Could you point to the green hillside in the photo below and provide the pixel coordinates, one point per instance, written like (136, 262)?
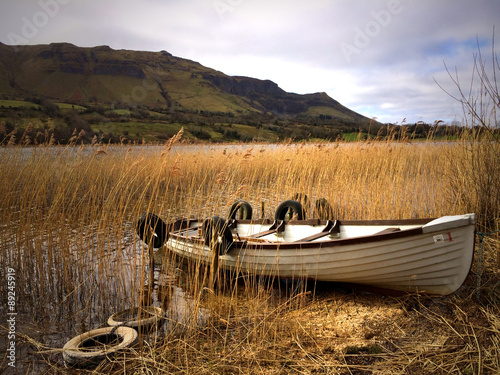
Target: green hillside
(117, 92)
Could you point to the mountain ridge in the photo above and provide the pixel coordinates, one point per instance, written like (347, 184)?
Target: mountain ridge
(65, 72)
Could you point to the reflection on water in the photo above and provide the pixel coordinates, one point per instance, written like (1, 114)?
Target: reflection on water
(169, 292)
(107, 281)
(146, 150)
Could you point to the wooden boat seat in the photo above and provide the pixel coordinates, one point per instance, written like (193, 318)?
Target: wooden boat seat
(387, 231)
(331, 227)
(277, 227)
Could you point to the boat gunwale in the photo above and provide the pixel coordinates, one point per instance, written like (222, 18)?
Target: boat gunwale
(262, 244)
(249, 242)
(181, 224)
(421, 221)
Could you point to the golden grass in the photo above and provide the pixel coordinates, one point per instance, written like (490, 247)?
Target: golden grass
(68, 228)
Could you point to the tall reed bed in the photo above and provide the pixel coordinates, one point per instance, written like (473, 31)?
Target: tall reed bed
(68, 219)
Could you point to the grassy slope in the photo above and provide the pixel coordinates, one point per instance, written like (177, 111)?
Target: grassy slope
(150, 130)
(18, 104)
(178, 77)
(141, 78)
(322, 110)
(147, 131)
(126, 81)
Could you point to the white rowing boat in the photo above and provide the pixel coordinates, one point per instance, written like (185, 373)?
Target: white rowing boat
(431, 256)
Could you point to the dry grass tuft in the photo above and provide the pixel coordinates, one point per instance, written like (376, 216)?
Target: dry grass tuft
(68, 216)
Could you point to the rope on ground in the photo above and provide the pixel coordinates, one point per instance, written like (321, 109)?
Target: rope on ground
(480, 260)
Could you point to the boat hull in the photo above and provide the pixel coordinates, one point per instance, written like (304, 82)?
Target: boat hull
(432, 258)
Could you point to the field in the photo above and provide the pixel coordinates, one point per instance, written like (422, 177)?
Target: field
(68, 217)
(18, 104)
(25, 104)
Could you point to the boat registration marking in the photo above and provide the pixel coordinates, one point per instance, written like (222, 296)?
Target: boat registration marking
(442, 237)
(438, 238)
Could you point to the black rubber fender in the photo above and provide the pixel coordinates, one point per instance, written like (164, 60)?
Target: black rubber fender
(289, 205)
(92, 347)
(302, 198)
(242, 207)
(217, 234)
(159, 229)
(324, 209)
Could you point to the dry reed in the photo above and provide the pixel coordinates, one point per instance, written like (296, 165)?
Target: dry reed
(68, 228)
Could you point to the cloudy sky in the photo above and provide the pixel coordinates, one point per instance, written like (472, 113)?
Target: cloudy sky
(381, 58)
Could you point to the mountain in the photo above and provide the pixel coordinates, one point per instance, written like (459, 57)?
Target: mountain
(62, 72)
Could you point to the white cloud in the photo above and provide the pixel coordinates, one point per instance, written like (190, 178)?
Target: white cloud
(398, 46)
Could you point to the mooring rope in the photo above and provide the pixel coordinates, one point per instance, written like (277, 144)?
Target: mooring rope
(480, 260)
